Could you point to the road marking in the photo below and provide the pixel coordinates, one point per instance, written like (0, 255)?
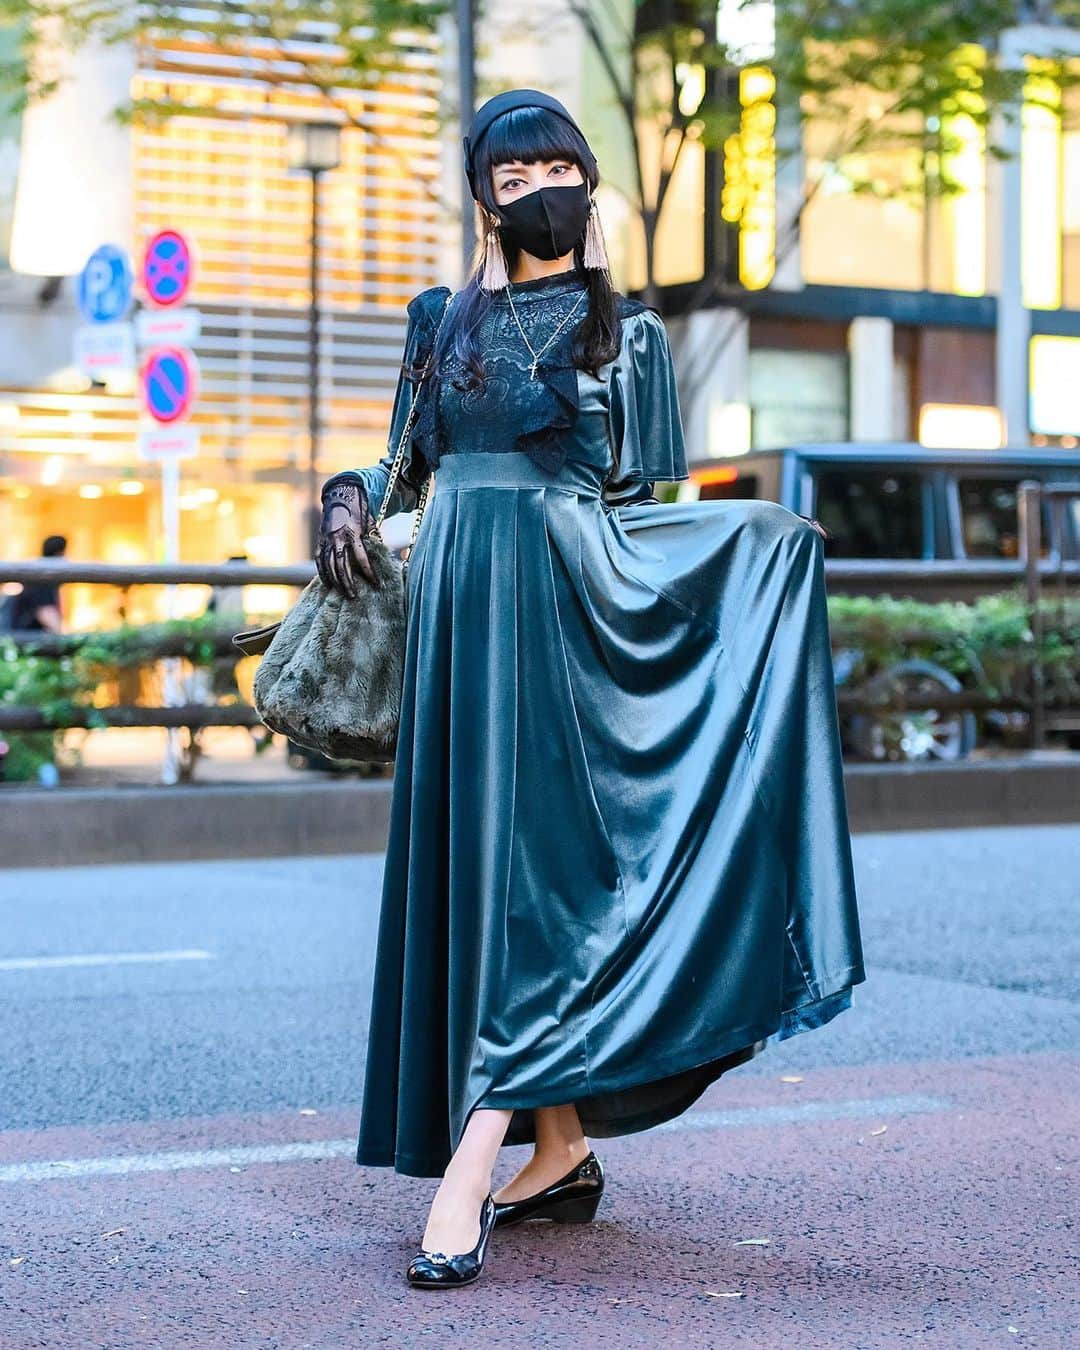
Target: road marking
(872, 1108)
(101, 959)
(805, 1112)
(177, 1161)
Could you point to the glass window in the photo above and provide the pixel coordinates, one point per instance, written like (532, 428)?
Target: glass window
(870, 514)
(797, 397)
(989, 517)
(1070, 203)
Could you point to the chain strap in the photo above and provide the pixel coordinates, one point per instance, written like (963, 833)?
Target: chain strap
(399, 454)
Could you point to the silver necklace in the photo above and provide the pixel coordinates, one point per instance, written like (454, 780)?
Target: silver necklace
(534, 354)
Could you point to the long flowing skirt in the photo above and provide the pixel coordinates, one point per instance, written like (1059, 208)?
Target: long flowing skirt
(618, 859)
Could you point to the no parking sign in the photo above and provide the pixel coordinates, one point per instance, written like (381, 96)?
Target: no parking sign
(167, 380)
(168, 268)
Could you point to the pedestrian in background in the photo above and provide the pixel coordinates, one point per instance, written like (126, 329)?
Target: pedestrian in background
(618, 860)
(37, 607)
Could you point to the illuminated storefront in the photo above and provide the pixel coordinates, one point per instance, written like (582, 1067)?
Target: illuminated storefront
(68, 460)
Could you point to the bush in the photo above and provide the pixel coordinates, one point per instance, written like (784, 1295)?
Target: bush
(988, 644)
(57, 685)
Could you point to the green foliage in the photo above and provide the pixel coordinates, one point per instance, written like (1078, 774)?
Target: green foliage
(26, 681)
(988, 645)
(58, 685)
(368, 37)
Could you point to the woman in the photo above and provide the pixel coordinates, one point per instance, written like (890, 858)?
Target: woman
(618, 860)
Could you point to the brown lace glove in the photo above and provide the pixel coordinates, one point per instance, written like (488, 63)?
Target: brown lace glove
(347, 517)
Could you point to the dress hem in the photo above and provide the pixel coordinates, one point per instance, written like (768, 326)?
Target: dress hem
(753, 1040)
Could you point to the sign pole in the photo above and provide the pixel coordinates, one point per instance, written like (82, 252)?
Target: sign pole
(168, 385)
(170, 523)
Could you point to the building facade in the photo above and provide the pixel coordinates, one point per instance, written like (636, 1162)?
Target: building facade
(891, 314)
(884, 315)
(218, 172)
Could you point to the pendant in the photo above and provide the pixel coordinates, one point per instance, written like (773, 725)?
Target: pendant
(532, 371)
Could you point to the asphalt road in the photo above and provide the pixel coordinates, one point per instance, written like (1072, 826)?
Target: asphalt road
(175, 1127)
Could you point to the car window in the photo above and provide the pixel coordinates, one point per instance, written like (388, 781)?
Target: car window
(989, 517)
(875, 514)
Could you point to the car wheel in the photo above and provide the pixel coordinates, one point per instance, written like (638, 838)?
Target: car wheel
(930, 735)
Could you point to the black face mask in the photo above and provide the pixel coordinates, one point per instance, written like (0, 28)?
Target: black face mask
(547, 222)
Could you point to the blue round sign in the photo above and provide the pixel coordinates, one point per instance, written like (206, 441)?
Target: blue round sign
(168, 383)
(104, 289)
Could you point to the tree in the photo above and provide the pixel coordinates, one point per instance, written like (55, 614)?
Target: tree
(904, 76)
(326, 47)
(909, 77)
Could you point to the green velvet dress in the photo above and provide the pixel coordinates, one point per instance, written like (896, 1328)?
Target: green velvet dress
(618, 861)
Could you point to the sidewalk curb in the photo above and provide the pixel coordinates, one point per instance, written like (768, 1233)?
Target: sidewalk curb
(70, 827)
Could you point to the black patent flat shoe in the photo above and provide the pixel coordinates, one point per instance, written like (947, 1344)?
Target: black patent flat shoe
(572, 1199)
(436, 1270)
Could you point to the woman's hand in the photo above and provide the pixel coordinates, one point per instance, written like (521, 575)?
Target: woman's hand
(341, 554)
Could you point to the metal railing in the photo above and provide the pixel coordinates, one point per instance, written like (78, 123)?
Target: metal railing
(858, 576)
(1032, 496)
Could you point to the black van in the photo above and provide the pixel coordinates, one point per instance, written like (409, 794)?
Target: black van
(900, 502)
(935, 510)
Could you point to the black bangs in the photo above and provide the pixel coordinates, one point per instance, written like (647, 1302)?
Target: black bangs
(528, 135)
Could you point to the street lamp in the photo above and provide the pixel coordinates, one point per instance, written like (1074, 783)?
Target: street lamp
(314, 148)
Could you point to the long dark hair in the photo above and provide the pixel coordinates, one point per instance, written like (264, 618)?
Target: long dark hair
(528, 135)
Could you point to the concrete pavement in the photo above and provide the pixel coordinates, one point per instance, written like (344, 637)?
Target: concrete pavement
(916, 1184)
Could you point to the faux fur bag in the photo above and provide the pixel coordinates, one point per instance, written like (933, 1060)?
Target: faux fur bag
(331, 677)
(332, 669)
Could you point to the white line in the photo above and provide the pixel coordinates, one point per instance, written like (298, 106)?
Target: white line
(870, 1108)
(178, 1161)
(804, 1112)
(100, 959)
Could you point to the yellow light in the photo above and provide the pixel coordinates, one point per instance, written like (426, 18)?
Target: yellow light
(22, 492)
(749, 194)
(721, 474)
(691, 87)
(1040, 193)
(131, 487)
(52, 470)
(959, 426)
(756, 84)
(964, 164)
(91, 491)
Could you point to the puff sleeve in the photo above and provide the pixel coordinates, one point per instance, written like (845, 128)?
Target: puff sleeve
(423, 314)
(646, 424)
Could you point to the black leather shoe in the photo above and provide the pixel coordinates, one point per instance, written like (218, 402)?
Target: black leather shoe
(571, 1199)
(436, 1270)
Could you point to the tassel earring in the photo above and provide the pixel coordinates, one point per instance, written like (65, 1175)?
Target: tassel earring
(595, 249)
(494, 276)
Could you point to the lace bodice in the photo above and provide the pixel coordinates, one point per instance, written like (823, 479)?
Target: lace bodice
(624, 421)
(510, 409)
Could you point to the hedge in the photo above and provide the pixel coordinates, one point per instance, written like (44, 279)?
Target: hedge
(988, 645)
